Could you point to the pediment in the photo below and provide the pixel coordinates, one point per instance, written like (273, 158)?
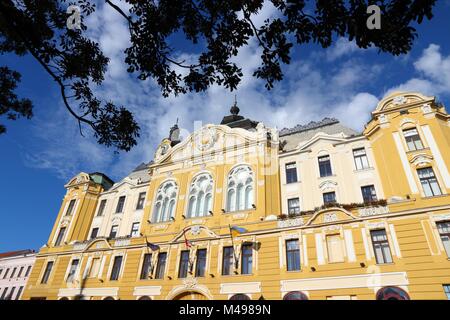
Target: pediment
(320, 138)
(82, 177)
(210, 139)
(399, 99)
(330, 215)
(194, 232)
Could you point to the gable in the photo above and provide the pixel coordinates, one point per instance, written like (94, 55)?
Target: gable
(401, 99)
(330, 215)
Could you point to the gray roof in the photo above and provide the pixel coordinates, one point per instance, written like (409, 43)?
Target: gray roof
(299, 133)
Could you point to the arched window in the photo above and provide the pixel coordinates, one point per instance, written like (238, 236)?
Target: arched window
(200, 196)
(240, 194)
(295, 295)
(145, 298)
(165, 203)
(392, 293)
(63, 298)
(109, 298)
(240, 296)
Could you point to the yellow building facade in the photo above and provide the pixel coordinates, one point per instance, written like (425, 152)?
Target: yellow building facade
(320, 212)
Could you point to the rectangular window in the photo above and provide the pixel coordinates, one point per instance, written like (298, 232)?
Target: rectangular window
(293, 206)
(412, 139)
(72, 270)
(447, 290)
(20, 272)
(60, 236)
(292, 255)
(116, 268)
(19, 293)
(146, 266)
(227, 260)
(120, 204)
(48, 270)
(4, 293)
(429, 182)
(368, 193)
(28, 271)
(444, 232)
(141, 200)
(11, 293)
(95, 268)
(184, 264)
(247, 259)
(94, 233)
(161, 265)
(329, 197)
(381, 246)
(101, 208)
(291, 172)
(135, 229)
(113, 232)
(325, 166)
(335, 248)
(6, 273)
(70, 207)
(360, 157)
(13, 273)
(200, 264)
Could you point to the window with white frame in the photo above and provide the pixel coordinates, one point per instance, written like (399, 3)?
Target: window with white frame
(447, 290)
(135, 229)
(412, 139)
(60, 236)
(120, 204)
(368, 193)
(444, 233)
(101, 208)
(293, 206)
(200, 196)
(240, 189)
(360, 157)
(141, 200)
(291, 172)
(117, 264)
(165, 202)
(429, 182)
(113, 232)
(47, 272)
(380, 245)
(72, 270)
(70, 208)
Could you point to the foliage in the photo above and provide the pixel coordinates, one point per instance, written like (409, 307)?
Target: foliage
(218, 29)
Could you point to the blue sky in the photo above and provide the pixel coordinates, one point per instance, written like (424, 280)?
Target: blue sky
(39, 156)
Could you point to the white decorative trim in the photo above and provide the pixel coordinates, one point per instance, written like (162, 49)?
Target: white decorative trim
(96, 292)
(348, 237)
(366, 243)
(441, 217)
(437, 155)
(405, 163)
(346, 282)
(147, 291)
(319, 248)
(395, 241)
(240, 287)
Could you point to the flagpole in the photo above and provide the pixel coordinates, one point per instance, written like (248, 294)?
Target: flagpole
(232, 243)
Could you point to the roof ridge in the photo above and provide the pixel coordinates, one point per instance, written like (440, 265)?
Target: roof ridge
(310, 126)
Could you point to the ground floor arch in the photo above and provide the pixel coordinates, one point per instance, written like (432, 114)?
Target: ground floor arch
(190, 295)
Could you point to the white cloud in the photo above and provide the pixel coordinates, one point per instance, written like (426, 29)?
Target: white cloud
(307, 93)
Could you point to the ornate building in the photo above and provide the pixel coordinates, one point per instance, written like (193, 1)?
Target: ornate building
(242, 211)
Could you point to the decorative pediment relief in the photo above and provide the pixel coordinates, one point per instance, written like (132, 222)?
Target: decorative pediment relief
(330, 215)
(80, 178)
(196, 231)
(320, 137)
(399, 99)
(210, 140)
(421, 159)
(328, 185)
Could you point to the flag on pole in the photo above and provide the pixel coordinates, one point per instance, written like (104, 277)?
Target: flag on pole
(153, 246)
(235, 231)
(186, 241)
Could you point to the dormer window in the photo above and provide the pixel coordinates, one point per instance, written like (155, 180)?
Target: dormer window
(412, 139)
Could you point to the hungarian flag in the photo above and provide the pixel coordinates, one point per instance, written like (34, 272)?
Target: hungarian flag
(186, 241)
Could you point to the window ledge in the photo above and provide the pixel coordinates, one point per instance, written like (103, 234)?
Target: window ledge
(364, 169)
(200, 217)
(239, 211)
(327, 177)
(433, 197)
